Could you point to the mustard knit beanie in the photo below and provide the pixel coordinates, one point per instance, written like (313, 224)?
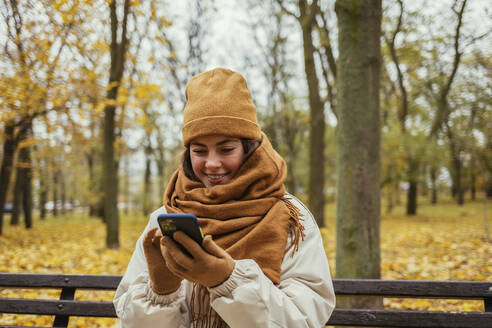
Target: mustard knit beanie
(219, 102)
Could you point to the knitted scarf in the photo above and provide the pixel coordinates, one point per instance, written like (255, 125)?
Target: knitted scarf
(249, 217)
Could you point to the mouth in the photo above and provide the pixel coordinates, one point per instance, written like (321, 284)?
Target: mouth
(216, 178)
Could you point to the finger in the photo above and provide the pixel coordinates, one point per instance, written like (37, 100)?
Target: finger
(149, 237)
(173, 270)
(171, 263)
(181, 258)
(168, 243)
(157, 238)
(211, 247)
(152, 253)
(191, 246)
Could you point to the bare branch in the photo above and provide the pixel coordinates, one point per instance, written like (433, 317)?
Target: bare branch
(403, 112)
(474, 39)
(457, 53)
(326, 43)
(285, 10)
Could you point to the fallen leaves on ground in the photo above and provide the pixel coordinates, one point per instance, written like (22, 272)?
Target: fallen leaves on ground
(442, 243)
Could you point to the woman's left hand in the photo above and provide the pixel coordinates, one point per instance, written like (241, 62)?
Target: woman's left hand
(210, 265)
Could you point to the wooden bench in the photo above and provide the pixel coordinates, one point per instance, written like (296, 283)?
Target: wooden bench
(65, 307)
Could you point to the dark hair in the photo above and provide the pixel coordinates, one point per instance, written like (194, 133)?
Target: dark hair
(249, 145)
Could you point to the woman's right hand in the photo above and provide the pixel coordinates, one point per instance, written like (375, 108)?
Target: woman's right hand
(162, 280)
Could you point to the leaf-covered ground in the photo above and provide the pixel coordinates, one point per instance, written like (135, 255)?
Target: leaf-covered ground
(444, 242)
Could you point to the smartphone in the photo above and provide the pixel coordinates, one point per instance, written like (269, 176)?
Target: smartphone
(186, 222)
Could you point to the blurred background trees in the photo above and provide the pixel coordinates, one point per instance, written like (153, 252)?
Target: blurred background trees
(59, 81)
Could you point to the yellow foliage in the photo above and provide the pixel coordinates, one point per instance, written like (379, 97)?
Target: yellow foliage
(111, 85)
(165, 23)
(161, 39)
(142, 119)
(57, 4)
(100, 107)
(27, 143)
(144, 91)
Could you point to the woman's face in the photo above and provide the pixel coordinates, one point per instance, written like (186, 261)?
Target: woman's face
(216, 159)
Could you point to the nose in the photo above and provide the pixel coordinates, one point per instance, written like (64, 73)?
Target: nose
(213, 161)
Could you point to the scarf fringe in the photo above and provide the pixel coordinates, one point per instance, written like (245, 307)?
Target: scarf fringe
(296, 229)
(205, 317)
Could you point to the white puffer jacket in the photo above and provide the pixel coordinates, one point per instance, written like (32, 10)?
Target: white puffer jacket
(248, 299)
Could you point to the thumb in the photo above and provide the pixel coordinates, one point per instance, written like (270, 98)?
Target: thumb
(212, 248)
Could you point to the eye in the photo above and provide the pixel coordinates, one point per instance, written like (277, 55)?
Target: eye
(199, 151)
(228, 149)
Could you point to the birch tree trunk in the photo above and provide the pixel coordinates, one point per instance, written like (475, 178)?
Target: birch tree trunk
(358, 159)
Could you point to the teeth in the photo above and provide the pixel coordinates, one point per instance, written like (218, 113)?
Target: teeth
(215, 176)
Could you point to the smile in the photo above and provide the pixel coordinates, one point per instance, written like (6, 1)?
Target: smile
(216, 177)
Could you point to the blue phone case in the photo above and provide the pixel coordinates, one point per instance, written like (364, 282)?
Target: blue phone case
(186, 222)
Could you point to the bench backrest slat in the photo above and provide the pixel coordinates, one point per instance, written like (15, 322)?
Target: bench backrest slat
(57, 307)
(33, 280)
(374, 287)
(420, 319)
(414, 288)
(340, 317)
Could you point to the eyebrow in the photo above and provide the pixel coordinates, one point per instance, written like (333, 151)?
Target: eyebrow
(217, 144)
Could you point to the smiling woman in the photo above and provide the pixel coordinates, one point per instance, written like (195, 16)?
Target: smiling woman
(261, 263)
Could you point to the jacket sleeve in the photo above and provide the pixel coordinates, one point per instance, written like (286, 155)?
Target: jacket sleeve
(135, 302)
(304, 297)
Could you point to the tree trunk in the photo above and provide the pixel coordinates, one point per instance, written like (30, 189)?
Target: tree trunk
(453, 186)
(488, 187)
(160, 163)
(147, 186)
(424, 187)
(92, 183)
(412, 186)
(457, 188)
(23, 190)
(160, 171)
(359, 134)
(433, 172)
(110, 165)
(25, 157)
(412, 198)
(9, 146)
(473, 179)
(390, 196)
(63, 192)
(43, 194)
(16, 203)
(291, 182)
(126, 186)
(317, 116)
(110, 180)
(55, 192)
(458, 183)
